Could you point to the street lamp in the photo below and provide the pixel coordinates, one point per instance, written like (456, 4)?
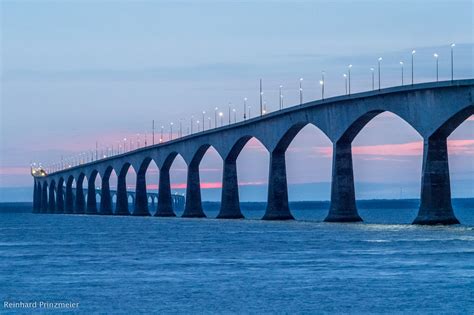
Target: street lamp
(153, 131)
(349, 75)
(435, 55)
(321, 82)
(197, 122)
(229, 111)
(215, 117)
(161, 137)
(209, 119)
(452, 61)
(373, 79)
(379, 60)
(345, 81)
(264, 107)
(401, 66)
(301, 91)
(192, 123)
(124, 145)
(180, 127)
(245, 108)
(203, 124)
(221, 115)
(261, 98)
(413, 52)
(171, 131)
(235, 115)
(281, 97)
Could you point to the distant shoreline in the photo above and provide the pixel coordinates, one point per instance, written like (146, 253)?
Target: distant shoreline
(21, 207)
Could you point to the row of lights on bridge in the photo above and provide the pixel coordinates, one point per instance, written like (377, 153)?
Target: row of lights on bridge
(121, 146)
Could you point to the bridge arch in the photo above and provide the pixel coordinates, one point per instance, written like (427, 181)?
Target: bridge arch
(52, 197)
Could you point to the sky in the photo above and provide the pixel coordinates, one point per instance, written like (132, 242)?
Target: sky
(74, 73)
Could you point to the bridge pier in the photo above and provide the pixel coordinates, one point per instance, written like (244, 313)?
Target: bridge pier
(80, 203)
(141, 198)
(343, 205)
(52, 200)
(121, 207)
(91, 199)
(35, 197)
(165, 202)
(105, 198)
(230, 204)
(435, 203)
(59, 198)
(277, 200)
(69, 200)
(193, 207)
(44, 198)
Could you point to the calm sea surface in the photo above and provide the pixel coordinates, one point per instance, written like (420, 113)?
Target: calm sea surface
(129, 265)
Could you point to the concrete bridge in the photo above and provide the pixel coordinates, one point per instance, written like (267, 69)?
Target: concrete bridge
(152, 197)
(434, 110)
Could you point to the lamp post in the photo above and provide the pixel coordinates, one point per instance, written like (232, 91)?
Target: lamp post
(373, 78)
(235, 115)
(250, 116)
(349, 75)
(452, 61)
(281, 97)
(171, 131)
(198, 125)
(221, 115)
(435, 55)
(124, 145)
(401, 66)
(138, 140)
(161, 138)
(413, 52)
(203, 124)
(229, 111)
(245, 108)
(379, 60)
(261, 98)
(301, 91)
(321, 82)
(209, 119)
(153, 131)
(264, 108)
(215, 117)
(192, 123)
(345, 81)
(181, 128)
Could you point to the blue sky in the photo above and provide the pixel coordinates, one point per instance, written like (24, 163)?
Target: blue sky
(76, 72)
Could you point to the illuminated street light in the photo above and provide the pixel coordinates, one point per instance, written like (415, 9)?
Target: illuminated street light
(203, 124)
(401, 66)
(452, 61)
(321, 82)
(435, 55)
(215, 117)
(373, 78)
(301, 91)
(235, 115)
(161, 137)
(261, 98)
(345, 81)
(124, 145)
(379, 60)
(230, 105)
(281, 97)
(171, 131)
(349, 75)
(221, 115)
(413, 52)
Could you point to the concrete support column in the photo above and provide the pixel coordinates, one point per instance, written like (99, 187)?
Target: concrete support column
(91, 199)
(105, 198)
(343, 205)
(52, 200)
(193, 207)
(121, 207)
(35, 197)
(69, 200)
(60, 199)
(277, 200)
(230, 204)
(435, 203)
(165, 203)
(141, 197)
(44, 198)
(80, 202)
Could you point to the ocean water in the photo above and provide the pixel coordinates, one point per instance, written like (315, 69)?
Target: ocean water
(130, 265)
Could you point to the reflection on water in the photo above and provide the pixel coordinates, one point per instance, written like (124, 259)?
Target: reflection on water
(173, 265)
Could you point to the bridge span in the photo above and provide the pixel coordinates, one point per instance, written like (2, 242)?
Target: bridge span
(434, 110)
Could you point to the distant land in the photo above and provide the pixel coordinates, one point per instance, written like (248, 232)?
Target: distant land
(465, 203)
(302, 192)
